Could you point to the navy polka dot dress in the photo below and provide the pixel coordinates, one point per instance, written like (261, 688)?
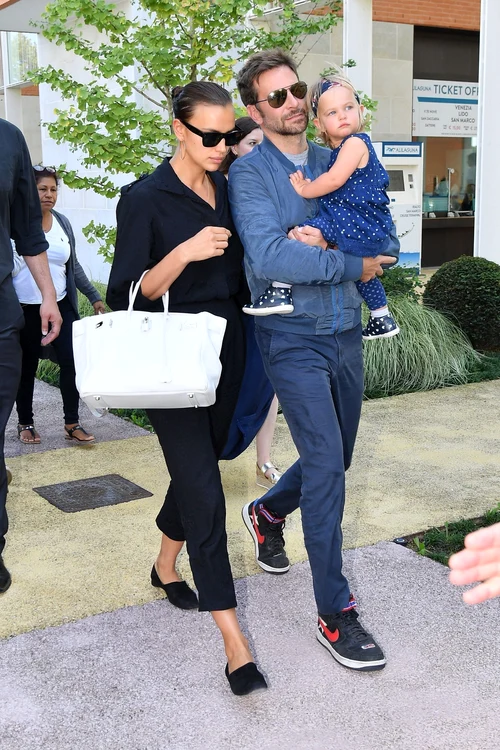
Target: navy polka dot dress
(356, 217)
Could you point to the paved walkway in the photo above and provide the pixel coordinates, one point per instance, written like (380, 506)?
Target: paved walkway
(94, 660)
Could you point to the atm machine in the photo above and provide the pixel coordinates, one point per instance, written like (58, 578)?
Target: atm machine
(404, 164)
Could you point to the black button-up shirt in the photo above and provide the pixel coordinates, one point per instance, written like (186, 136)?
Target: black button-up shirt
(20, 215)
(154, 215)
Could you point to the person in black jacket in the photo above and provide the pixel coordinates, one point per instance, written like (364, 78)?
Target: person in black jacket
(21, 221)
(68, 276)
(176, 223)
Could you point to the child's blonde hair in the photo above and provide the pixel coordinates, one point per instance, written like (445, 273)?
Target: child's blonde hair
(335, 78)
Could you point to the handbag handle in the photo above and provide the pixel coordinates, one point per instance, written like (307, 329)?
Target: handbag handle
(134, 291)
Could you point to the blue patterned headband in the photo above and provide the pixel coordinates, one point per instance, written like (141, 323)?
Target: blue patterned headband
(325, 84)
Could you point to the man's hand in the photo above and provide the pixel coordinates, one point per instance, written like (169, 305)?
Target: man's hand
(373, 266)
(49, 309)
(51, 320)
(98, 307)
(308, 235)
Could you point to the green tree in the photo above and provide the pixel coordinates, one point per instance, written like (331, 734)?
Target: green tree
(118, 116)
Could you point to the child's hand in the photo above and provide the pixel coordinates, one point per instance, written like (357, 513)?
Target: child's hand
(298, 181)
(309, 235)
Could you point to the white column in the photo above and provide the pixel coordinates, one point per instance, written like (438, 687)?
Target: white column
(358, 42)
(486, 242)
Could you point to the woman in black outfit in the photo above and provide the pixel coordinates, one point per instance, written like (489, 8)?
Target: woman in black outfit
(176, 223)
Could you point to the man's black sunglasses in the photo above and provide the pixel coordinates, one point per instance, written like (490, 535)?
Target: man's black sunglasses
(209, 140)
(277, 98)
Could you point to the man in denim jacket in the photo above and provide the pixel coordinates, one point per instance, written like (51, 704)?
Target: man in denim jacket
(312, 356)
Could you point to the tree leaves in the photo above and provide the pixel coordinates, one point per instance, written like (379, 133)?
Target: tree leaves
(117, 99)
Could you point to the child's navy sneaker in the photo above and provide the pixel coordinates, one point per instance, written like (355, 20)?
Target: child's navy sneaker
(275, 300)
(380, 328)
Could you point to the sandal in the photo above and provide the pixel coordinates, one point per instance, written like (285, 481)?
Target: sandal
(71, 436)
(267, 475)
(31, 429)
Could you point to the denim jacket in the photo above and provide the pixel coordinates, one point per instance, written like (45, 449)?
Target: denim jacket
(265, 206)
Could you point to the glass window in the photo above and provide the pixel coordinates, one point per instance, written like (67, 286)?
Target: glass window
(22, 56)
(449, 171)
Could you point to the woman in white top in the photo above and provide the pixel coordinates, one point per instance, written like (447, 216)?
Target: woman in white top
(67, 275)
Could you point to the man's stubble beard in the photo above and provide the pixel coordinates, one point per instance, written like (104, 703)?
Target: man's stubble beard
(283, 127)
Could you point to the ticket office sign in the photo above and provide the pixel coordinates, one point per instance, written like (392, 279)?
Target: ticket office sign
(445, 108)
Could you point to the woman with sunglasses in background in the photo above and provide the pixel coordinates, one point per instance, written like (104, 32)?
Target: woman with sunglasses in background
(257, 408)
(175, 223)
(68, 276)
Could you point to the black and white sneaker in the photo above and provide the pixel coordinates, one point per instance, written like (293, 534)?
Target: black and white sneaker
(267, 534)
(380, 328)
(348, 642)
(274, 301)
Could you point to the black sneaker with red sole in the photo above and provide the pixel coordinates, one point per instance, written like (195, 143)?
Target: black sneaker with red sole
(267, 535)
(348, 642)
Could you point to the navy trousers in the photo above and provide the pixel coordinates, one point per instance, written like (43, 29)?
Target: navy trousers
(319, 384)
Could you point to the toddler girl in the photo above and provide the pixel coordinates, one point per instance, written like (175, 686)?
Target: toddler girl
(353, 204)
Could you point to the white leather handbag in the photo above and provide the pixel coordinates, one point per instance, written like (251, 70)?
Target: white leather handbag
(139, 360)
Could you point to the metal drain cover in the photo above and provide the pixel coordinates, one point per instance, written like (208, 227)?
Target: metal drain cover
(96, 492)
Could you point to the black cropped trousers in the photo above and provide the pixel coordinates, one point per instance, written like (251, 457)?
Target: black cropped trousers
(192, 440)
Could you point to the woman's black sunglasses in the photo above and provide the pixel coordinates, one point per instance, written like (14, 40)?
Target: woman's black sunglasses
(40, 168)
(277, 98)
(209, 140)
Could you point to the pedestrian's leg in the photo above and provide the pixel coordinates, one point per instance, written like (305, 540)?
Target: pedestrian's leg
(199, 512)
(10, 369)
(347, 389)
(63, 346)
(267, 473)
(301, 369)
(187, 442)
(167, 557)
(265, 435)
(30, 340)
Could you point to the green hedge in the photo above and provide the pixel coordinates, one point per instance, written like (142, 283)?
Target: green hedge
(468, 291)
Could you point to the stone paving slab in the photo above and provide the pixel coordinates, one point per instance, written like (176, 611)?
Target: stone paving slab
(151, 677)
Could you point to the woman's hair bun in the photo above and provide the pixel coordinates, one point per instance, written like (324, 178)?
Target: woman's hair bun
(177, 91)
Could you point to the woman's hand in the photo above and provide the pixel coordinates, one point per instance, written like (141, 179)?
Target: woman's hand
(299, 182)
(98, 307)
(208, 243)
(309, 235)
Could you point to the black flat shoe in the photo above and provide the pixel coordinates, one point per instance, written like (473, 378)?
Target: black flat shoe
(5, 579)
(178, 593)
(245, 679)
